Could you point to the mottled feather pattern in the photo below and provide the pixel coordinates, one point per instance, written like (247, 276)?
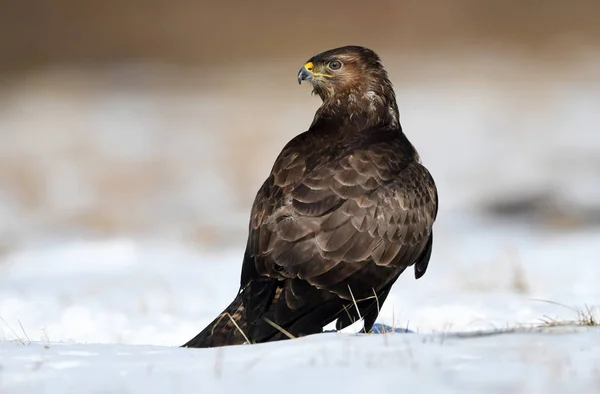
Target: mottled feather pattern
(346, 209)
(364, 205)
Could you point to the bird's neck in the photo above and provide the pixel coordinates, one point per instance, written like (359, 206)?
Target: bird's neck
(359, 109)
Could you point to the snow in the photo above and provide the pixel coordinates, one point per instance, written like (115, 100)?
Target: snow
(108, 315)
(133, 292)
(552, 362)
(82, 313)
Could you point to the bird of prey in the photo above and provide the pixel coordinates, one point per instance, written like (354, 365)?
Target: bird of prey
(347, 207)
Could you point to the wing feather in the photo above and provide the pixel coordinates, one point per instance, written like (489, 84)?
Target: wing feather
(361, 212)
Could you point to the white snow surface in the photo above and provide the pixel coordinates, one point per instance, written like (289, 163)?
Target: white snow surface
(523, 363)
(107, 316)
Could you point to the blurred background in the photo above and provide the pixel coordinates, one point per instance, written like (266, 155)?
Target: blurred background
(155, 120)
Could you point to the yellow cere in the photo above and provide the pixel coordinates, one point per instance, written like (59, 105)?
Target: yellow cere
(310, 67)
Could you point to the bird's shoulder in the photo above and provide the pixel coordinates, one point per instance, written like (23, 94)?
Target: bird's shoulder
(361, 198)
(321, 150)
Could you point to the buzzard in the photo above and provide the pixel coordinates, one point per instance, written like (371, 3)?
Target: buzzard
(345, 210)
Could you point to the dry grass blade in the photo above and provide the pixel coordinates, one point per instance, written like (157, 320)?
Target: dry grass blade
(46, 334)
(554, 303)
(547, 321)
(355, 304)
(350, 318)
(376, 300)
(13, 331)
(238, 327)
(384, 328)
(212, 330)
(281, 329)
(588, 318)
(22, 329)
(585, 318)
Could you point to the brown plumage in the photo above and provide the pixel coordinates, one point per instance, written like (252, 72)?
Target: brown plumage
(346, 209)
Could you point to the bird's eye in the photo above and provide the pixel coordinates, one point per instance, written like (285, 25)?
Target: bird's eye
(335, 65)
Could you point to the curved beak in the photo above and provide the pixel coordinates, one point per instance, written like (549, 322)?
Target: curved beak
(305, 73)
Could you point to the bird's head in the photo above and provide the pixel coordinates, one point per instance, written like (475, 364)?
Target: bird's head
(351, 80)
(343, 70)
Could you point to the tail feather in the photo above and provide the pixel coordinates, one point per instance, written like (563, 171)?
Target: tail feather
(227, 329)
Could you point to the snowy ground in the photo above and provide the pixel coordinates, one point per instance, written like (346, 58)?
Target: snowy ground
(106, 316)
(122, 291)
(553, 362)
